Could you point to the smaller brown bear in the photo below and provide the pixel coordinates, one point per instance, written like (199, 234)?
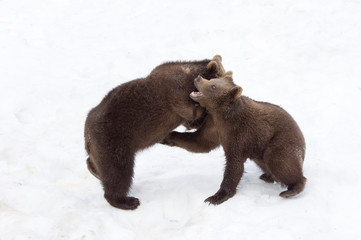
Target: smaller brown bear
(245, 128)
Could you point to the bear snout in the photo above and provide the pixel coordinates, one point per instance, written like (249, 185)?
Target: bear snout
(198, 79)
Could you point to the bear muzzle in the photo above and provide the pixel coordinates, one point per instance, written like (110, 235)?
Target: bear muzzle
(198, 79)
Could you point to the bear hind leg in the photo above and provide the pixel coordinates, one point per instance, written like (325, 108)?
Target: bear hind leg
(267, 178)
(286, 168)
(117, 178)
(294, 189)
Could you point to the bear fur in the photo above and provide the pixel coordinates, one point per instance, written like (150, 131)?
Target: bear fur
(245, 128)
(138, 114)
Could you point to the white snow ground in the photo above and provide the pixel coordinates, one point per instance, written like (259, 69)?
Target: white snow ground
(59, 58)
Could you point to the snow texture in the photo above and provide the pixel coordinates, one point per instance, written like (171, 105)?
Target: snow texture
(58, 58)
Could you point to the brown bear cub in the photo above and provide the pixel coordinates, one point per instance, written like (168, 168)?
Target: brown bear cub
(138, 114)
(245, 128)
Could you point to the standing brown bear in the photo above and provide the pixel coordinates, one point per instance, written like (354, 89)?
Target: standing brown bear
(245, 128)
(138, 114)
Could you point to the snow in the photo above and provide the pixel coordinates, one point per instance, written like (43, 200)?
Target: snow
(59, 58)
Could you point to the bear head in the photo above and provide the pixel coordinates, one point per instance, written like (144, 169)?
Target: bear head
(216, 92)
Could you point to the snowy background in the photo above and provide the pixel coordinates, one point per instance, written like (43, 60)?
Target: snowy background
(58, 58)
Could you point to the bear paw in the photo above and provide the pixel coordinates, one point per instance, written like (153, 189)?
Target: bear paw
(221, 196)
(126, 203)
(168, 140)
(267, 178)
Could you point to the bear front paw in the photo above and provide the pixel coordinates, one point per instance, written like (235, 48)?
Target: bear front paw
(169, 139)
(221, 196)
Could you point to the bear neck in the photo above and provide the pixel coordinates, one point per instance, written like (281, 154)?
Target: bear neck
(228, 111)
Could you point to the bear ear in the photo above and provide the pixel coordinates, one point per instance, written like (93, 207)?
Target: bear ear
(235, 92)
(228, 76)
(217, 58)
(215, 66)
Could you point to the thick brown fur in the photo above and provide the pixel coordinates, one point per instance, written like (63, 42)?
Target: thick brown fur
(246, 129)
(138, 114)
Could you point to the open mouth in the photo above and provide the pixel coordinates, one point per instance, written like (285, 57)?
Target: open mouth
(196, 94)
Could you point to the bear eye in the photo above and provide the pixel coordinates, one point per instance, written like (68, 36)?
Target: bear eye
(213, 87)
